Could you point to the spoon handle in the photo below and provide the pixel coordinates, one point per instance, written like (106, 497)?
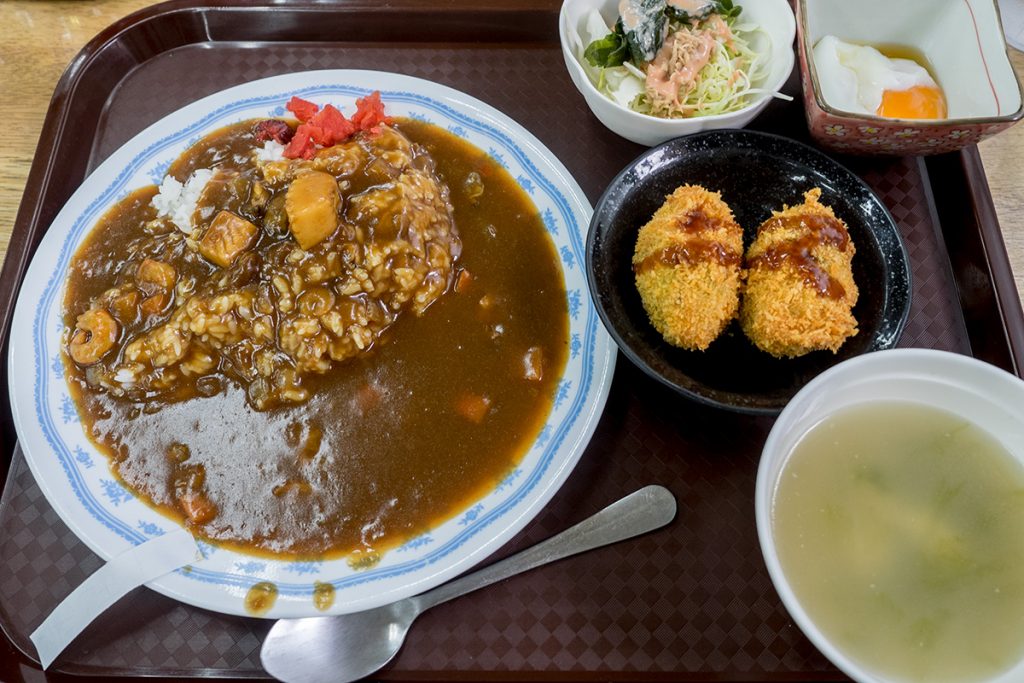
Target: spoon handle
(642, 511)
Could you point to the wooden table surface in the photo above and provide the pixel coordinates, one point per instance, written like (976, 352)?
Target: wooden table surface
(38, 40)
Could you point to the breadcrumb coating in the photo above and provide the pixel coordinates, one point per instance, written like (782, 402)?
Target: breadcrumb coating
(800, 291)
(687, 266)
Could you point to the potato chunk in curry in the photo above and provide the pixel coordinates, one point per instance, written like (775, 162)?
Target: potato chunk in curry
(283, 303)
(312, 206)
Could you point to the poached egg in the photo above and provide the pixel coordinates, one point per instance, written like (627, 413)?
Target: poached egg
(860, 79)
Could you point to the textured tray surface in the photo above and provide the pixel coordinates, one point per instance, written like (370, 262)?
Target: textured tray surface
(692, 601)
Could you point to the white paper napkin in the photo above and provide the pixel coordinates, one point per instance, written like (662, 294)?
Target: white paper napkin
(143, 563)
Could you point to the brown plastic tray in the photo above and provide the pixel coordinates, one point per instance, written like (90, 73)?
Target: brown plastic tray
(690, 602)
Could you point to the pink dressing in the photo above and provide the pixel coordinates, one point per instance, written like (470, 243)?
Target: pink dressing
(678, 63)
(630, 17)
(691, 7)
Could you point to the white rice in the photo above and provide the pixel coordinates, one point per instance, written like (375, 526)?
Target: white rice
(177, 201)
(272, 150)
(125, 376)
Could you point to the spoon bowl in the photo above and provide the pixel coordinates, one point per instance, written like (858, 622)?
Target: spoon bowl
(352, 646)
(339, 648)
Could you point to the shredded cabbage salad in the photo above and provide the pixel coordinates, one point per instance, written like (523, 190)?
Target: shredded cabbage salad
(667, 62)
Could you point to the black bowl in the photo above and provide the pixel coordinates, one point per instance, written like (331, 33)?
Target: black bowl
(756, 174)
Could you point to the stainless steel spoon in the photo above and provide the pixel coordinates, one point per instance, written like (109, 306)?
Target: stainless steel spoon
(353, 646)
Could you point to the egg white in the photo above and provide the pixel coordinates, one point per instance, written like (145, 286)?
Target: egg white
(853, 77)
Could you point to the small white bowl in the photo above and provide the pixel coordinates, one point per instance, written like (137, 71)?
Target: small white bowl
(774, 16)
(981, 393)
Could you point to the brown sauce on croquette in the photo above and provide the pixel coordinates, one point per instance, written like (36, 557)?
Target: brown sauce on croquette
(697, 222)
(817, 231)
(692, 252)
(825, 229)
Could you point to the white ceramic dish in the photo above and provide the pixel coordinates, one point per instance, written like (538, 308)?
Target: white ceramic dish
(976, 76)
(75, 477)
(979, 392)
(962, 40)
(774, 16)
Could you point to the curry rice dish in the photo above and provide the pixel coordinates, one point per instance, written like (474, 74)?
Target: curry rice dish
(341, 352)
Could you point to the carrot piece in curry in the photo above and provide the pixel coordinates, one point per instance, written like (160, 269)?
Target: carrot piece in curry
(464, 280)
(473, 407)
(367, 398)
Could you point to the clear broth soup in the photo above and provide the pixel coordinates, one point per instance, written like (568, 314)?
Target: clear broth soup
(901, 530)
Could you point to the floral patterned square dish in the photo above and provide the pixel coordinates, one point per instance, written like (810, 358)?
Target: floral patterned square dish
(960, 40)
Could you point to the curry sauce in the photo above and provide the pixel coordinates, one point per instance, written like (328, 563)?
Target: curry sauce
(387, 443)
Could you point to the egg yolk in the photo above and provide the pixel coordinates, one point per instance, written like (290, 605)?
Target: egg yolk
(919, 102)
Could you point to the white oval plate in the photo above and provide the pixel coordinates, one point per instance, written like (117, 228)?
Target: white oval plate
(76, 478)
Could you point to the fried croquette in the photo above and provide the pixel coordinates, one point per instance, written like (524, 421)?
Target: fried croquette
(800, 292)
(687, 267)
